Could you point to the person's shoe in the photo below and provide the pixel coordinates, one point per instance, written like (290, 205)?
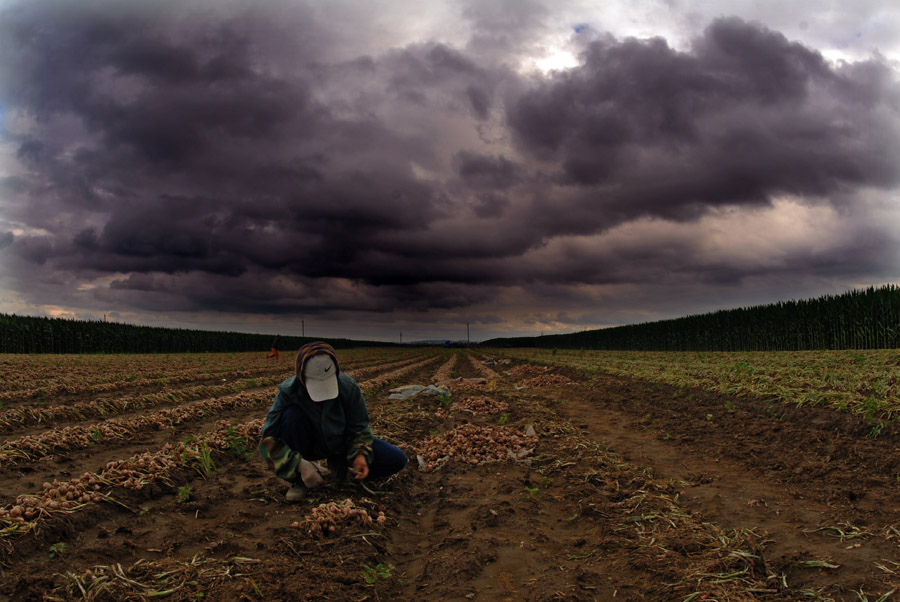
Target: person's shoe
(297, 492)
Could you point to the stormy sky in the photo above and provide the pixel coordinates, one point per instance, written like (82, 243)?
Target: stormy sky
(372, 168)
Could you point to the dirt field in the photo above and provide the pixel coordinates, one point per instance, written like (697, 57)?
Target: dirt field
(627, 490)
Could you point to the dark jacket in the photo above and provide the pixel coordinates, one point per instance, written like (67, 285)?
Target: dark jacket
(343, 423)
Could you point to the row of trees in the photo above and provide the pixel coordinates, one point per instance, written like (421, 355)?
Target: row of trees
(25, 334)
(859, 319)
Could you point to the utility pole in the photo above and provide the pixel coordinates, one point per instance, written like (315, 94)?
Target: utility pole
(467, 333)
(302, 329)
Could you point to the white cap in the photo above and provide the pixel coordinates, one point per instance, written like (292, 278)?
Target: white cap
(320, 377)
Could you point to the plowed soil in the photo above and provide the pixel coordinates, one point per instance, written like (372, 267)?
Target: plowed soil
(634, 491)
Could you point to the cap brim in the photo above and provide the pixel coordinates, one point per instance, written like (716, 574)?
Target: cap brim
(322, 390)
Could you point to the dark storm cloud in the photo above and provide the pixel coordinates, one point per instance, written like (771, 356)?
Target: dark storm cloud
(439, 77)
(230, 161)
(745, 115)
(480, 171)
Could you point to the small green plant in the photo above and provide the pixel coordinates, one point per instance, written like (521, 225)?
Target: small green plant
(144, 510)
(709, 417)
(184, 494)
(204, 455)
(871, 406)
(58, 549)
(743, 369)
(256, 589)
(546, 482)
(876, 430)
(379, 571)
(533, 493)
(667, 437)
(729, 405)
(503, 418)
(185, 453)
(96, 435)
(237, 443)
(201, 453)
(444, 400)
(454, 374)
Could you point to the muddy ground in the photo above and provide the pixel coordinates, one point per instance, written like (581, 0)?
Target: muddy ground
(634, 491)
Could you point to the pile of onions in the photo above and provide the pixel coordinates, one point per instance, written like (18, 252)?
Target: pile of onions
(474, 444)
(133, 473)
(29, 415)
(83, 436)
(55, 496)
(480, 405)
(327, 519)
(547, 380)
(527, 370)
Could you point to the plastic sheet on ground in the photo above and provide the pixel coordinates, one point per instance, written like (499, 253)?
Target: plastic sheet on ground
(407, 391)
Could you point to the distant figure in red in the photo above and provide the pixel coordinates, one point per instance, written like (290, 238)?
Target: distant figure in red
(275, 344)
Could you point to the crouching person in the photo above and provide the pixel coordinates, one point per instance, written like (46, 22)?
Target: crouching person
(320, 414)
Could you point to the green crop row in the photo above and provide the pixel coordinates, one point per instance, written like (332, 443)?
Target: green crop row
(861, 382)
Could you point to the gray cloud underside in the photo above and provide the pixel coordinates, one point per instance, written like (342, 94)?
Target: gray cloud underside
(236, 149)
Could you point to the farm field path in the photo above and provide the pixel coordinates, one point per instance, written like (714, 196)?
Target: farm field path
(501, 530)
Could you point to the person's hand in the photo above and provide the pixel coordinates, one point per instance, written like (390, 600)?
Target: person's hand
(360, 467)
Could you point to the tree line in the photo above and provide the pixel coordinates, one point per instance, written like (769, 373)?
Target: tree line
(26, 334)
(859, 319)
